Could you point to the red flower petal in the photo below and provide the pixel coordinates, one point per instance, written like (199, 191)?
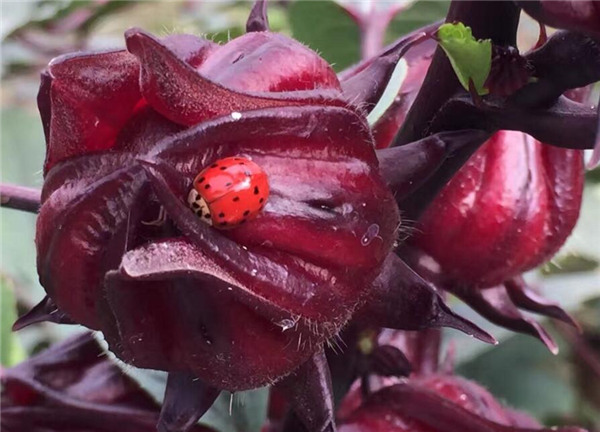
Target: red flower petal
(268, 62)
(515, 197)
(364, 83)
(174, 312)
(189, 48)
(184, 96)
(291, 284)
(328, 203)
(85, 101)
(577, 15)
(73, 387)
(437, 403)
(100, 197)
(96, 216)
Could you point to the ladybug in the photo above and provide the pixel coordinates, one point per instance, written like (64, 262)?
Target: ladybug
(229, 192)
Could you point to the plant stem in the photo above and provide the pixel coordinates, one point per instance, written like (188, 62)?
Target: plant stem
(496, 20)
(20, 197)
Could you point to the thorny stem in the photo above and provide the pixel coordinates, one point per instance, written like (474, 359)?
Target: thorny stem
(20, 197)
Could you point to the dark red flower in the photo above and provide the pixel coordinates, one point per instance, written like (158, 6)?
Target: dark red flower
(436, 403)
(577, 15)
(128, 131)
(73, 387)
(508, 210)
(121, 251)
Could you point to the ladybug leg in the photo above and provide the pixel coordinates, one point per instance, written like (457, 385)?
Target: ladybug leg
(160, 219)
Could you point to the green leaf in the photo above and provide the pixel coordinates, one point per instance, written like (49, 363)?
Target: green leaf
(420, 14)
(525, 375)
(22, 140)
(593, 176)
(11, 351)
(326, 28)
(224, 36)
(240, 412)
(471, 59)
(246, 412)
(570, 263)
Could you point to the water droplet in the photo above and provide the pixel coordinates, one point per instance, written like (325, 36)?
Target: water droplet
(286, 324)
(254, 272)
(236, 115)
(370, 235)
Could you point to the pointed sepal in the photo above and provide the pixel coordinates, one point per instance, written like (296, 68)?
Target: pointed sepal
(258, 21)
(401, 299)
(186, 399)
(310, 394)
(44, 311)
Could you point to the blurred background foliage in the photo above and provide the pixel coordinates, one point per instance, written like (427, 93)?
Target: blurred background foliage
(520, 371)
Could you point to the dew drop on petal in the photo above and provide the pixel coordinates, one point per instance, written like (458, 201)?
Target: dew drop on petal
(371, 233)
(286, 324)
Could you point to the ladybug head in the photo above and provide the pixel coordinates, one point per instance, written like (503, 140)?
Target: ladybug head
(199, 206)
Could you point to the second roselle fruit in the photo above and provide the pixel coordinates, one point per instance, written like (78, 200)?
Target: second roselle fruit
(508, 210)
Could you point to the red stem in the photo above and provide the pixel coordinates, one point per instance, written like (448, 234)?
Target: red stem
(20, 197)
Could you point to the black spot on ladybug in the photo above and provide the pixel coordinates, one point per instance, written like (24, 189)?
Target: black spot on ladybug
(246, 213)
(227, 184)
(256, 190)
(207, 186)
(201, 179)
(236, 199)
(242, 163)
(214, 165)
(223, 168)
(221, 215)
(243, 221)
(262, 200)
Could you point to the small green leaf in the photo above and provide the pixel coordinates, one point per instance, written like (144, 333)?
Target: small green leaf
(570, 263)
(417, 15)
(470, 58)
(526, 376)
(11, 351)
(328, 29)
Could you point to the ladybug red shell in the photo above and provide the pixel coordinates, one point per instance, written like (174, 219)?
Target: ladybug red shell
(229, 192)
